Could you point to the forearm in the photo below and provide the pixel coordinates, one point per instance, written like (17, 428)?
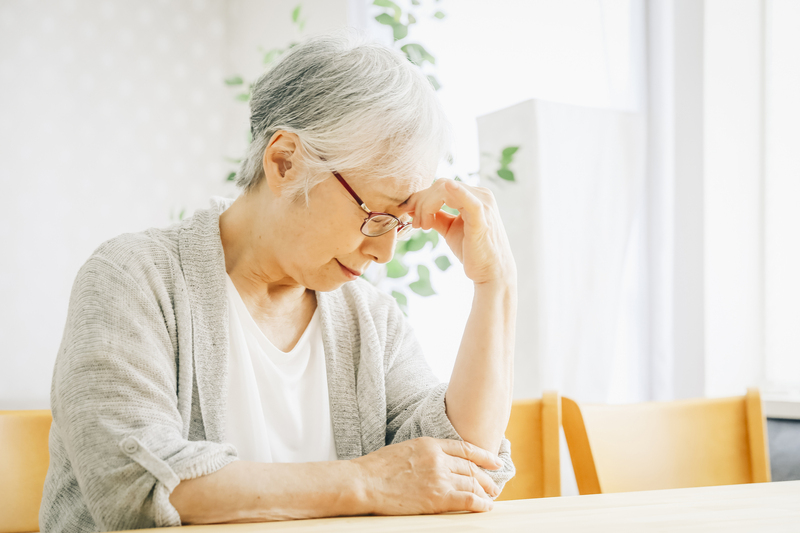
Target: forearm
(246, 491)
(479, 395)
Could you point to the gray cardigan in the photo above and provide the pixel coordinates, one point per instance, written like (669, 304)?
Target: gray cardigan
(139, 386)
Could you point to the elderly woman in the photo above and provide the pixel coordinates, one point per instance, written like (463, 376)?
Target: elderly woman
(234, 367)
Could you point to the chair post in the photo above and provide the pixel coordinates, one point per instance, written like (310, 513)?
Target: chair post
(551, 457)
(580, 451)
(757, 437)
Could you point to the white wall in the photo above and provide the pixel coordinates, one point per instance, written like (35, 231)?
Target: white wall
(113, 118)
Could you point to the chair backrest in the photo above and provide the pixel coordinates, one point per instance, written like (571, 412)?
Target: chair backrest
(533, 430)
(665, 445)
(24, 458)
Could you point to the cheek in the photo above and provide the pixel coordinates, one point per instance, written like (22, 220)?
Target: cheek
(317, 245)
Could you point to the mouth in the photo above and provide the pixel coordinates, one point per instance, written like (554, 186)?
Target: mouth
(351, 272)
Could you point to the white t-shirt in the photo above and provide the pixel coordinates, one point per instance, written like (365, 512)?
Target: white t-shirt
(278, 409)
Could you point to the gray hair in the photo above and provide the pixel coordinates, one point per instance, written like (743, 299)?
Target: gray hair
(356, 105)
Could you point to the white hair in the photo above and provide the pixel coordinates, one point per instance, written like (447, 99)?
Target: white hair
(356, 106)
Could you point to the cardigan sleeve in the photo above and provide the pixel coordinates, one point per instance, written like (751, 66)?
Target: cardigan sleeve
(415, 400)
(114, 403)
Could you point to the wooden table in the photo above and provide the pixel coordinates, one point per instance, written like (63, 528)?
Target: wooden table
(757, 508)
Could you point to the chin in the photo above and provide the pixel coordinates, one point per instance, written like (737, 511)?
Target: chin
(329, 286)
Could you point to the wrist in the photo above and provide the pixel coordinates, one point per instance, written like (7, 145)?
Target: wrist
(360, 487)
(502, 286)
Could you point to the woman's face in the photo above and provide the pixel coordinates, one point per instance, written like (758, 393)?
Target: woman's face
(320, 245)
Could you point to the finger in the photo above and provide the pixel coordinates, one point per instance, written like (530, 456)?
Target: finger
(426, 204)
(470, 452)
(442, 221)
(429, 203)
(464, 468)
(467, 484)
(459, 196)
(467, 501)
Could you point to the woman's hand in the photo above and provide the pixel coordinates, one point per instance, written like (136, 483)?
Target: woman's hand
(476, 235)
(425, 476)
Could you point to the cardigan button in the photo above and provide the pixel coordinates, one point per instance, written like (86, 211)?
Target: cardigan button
(130, 445)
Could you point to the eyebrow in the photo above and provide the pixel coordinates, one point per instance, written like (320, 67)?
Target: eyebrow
(397, 200)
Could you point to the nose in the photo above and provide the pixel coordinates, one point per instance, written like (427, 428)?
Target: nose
(380, 248)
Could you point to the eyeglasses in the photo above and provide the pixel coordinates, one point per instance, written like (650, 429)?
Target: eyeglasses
(377, 224)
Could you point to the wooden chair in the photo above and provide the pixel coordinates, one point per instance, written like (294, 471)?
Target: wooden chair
(24, 458)
(664, 445)
(533, 430)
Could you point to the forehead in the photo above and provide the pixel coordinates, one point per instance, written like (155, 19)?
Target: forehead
(395, 191)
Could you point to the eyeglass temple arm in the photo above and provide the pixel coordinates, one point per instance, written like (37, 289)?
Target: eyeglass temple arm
(351, 191)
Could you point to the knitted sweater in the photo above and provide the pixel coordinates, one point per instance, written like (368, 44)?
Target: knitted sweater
(140, 381)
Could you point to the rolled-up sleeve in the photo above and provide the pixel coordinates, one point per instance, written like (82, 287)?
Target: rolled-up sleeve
(115, 403)
(416, 399)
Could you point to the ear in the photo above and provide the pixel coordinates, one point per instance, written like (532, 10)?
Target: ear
(277, 162)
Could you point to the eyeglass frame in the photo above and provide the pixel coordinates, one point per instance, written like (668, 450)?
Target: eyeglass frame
(371, 214)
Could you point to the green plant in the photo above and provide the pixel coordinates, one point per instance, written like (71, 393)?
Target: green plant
(398, 267)
(505, 159)
(393, 16)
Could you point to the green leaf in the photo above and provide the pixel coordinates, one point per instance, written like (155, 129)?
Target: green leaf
(234, 80)
(273, 54)
(428, 57)
(508, 155)
(296, 13)
(402, 301)
(450, 210)
(434, 82)
(395, 269)
(423, 285)
(415, 2)
(400, 249)
(411, 19)
(400, 31)
(386, 18)
(506, 174)
(416, 242)
(433, 238)
(457, 178)
(231, 176)
(181, 214)
(243, 97)
(439, 15)
(390, 5)
(418, 54)
(423, 272)
(412, 53)
(442, 262)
